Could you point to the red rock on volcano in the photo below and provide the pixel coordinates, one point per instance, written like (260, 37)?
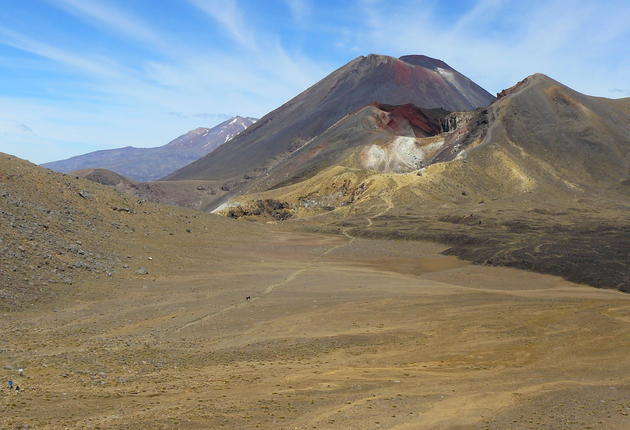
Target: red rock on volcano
(408, 115)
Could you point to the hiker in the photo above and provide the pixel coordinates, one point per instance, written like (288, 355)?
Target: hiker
(17, 389)
(10, 384)
(21, 371)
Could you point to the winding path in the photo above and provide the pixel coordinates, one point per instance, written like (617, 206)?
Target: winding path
(390, 206)
(294, 274)
(272, 287)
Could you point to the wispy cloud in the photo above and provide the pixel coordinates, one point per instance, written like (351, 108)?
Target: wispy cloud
(12, 126)
(110, 18)
(620, 91)
(90, 64)
(230, 16)
(264, 51)
(23, 127)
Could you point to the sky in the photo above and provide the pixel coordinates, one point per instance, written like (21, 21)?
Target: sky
(83, 75)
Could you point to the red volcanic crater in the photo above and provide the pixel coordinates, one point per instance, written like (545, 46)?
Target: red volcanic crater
(422, 124)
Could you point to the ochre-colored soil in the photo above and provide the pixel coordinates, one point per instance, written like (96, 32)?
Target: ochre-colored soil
(340, 333)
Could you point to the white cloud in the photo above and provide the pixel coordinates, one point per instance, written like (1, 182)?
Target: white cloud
(264, 62)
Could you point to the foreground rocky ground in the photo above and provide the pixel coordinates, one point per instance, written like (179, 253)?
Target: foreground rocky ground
(339, 333)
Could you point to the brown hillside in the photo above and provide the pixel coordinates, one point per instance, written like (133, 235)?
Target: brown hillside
(56, 230)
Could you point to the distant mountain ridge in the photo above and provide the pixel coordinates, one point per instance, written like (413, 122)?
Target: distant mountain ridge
(148, 164)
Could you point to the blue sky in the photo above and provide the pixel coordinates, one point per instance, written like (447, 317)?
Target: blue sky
(82, 75)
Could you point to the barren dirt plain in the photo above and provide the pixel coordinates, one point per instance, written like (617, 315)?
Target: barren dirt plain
(340, 333)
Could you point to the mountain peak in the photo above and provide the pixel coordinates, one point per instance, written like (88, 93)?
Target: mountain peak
(415, 79)
(203, 140)
(424, 61)
(413, 60)
(536, 78)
